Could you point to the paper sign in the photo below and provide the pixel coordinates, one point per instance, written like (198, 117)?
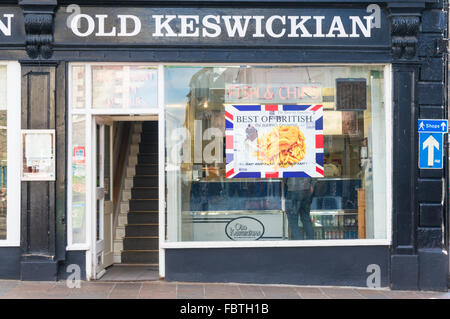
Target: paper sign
(274, 141)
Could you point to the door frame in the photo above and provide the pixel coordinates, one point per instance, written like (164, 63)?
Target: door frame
(91, 265)
(89, 112)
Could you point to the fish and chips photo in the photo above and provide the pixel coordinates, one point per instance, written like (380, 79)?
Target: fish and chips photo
(282, 146)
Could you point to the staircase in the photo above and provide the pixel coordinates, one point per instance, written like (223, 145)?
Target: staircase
(140, 238)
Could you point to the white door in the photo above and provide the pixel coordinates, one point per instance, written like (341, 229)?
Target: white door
(102, 201)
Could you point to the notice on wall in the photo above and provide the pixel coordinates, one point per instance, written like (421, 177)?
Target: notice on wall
(38, 149)
(274, 141)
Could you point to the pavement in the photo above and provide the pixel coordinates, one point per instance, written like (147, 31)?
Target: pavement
(159, 289)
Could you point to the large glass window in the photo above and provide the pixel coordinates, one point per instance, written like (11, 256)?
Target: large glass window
(3, 153)
(10, 163)
(78, 179)
(275, 153)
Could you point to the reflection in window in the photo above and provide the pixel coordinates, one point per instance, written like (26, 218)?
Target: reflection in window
(78, 87)
(204, 202)
(3, 153)
(78, 179)
(124, 87)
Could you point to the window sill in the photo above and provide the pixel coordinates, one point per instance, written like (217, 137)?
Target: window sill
(292, 243)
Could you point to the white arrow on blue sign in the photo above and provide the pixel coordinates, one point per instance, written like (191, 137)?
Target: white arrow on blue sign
(430, 150)
(437, 126)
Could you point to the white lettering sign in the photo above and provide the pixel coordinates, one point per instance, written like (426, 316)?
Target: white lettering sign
(6, 28)
(212, 26)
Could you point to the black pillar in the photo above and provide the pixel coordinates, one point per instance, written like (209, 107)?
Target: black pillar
(42, 216)
(419, 259)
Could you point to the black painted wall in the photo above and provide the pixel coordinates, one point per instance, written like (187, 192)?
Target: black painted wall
(340, 266)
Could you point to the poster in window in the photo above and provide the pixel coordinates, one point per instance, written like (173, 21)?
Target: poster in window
(38, 150)
(274, 141)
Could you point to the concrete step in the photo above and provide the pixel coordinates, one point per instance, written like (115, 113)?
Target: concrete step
(140, 256)
(141, 243)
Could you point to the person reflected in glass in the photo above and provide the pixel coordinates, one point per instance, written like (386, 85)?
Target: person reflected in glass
(299, 194)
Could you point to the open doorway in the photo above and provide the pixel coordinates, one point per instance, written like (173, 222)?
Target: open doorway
(125, 203)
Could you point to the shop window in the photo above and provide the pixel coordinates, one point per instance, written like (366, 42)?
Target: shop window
(9, 153)
(78, 196)
(275, 153)
(3, 153)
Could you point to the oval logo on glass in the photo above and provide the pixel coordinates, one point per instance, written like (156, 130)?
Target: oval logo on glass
(244, 228)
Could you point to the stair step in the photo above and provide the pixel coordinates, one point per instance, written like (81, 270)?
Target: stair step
(144, 217)
(146, 181)
(148, 158)
(141, 243)
(145, 192)
(147, 169)
(141, 230)
(144, 204)
(149, 126)
(148, 147)
(140, 256)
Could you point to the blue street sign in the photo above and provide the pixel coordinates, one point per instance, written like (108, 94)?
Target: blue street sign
(437, 126)
(430, 150)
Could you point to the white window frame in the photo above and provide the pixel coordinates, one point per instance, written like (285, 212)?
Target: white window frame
(13, 122)
(89, 112)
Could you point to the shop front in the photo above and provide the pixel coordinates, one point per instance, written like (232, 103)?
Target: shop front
(260, 142)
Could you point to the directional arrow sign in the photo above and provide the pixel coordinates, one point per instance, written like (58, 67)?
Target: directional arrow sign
(431, 144)
(430, 150)
(435, 126)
